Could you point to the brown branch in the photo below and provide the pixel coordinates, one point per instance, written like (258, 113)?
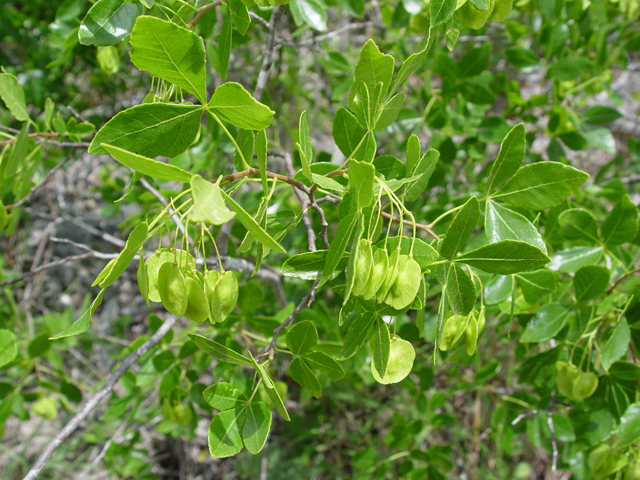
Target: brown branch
(267, 59)
(31, 135)
(256, 171)
(622, 279)
(204, 10)
(419, 226)
(93, 402)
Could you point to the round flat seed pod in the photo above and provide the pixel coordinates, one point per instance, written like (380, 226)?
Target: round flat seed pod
(363, 264)
(390, 276)
(224, 297)
(406, 284)
(401, 357)
(143, 280)
(197, 305)
(567, 373)
(172, 289)
(454, 327)
(159, 258)
(481, 320)
(501, 10)
(378, 273)
(210, 279)
(471, 336)
(584, 385)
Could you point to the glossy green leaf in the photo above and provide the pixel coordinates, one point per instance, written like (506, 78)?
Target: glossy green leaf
(325, 364)
(19, 153)
(546, 323)
(232, 103)
(306, 147)
(309, 265)
(361, 180)
(148, 166)
(8, 349)
(425, 168)
(541, 185)
(314, 14)
(12, 95)
(498, 289)
(219, 351)
(357, 335)
(223, 396)
(569, 68)
(83, 323)
(461, 291)
(224, 433)
(256, 427)
(390, 111)
(501, 223)
(241, 18)
(170, 52)
(108, 22)
(441, 11)
(505, 257)
(380, 347)
(346, 131)
(246, 140)
(573, 259)
(630, 424)
(301, 372)
(134, 242)
(225, 41)
(302, 337)
(617, 345)
(150, 129)
(208, 204)
(578, 224)
(251, 225)
(537, 285)
(338, 246)
(372, 67)
(590, 282)
(460, 229)
(413, 61)
(600, 114)
(509, 158)
(621, 224)
(624, 371)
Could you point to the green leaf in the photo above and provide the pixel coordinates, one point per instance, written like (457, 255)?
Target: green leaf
(621, 224)
(546, 323)
(338, 246)
(148, 166)
(108, 22)
(250, 224)
(390, 111)
(389, 166)
(498, 289)
(441, 11)
(224, 433)
(590, 282)
(413, 62)
(460, 229)
(501, 223)
(423, 253)
(372, 67)
(246, 140)
(600, 114)
(630, 424)
(150, 129)
(8, 349)
(18, 154)
(356, 335)
(309, 265)
(509, 159)
(234, 104)
(541, 185)
(12, 95)
(617, 344)
(578, 224)
(313, 12)
(425, 167)
(223, 396)
(302, 337)
(256, 427)
(367, 150)
(241, 18)
(208, 204)
(327, 183)
(413, 154)
(83, 323)
(170, 52)
(271, 389)
(380, 347)
(305, 139)
(361, 181)
(475, 60)
(505, 257)
(461, 291)
(304, 376)
(537, 285)
(570, 260)
(346, 131)
(569, 68)
(325, 364)
(522, 58)
(134, 242)
(624, 371)
(224, 46)
(219, 351)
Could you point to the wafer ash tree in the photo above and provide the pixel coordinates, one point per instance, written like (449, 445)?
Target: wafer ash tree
(524, 255)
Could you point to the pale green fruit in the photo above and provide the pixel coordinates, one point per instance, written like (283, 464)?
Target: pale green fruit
(363, 264)
(501, 10)
(406, 284)
(390, 276)
(224, 296)
(454, 327)
(401, 357)
(197, 304)
(172, 289)
(378, 273)
(584, 385)
(567, 373)
(471, 336)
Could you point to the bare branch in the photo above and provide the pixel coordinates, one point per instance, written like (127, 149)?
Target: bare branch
(419, 226)
(204, 10)
(93, 402)
(267, 59)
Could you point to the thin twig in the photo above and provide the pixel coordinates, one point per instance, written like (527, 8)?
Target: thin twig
(93, 402)
(622, 279)
(35, 188)
(204, 10)
(31, 135)
(419, 226)
(267, 59)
